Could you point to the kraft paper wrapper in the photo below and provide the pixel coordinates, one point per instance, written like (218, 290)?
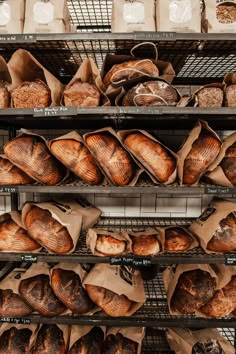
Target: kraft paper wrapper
(4, 72)
(24, 67)
(205, 229)
(224, 274)
(79, 331)
(136, 334)
(137, 170)
(64, 328)
(33, 327)
(77, 268)
(217, 84)
(88, 73)
(147, 231)
(12, 280)
(67, 215)
(187, 146)
(162, 232)
(182, 340)
(109, 277)
(170, 278)
(91, 239)
(73, 135)
(213, 24)
(16, 20)
(124, 133)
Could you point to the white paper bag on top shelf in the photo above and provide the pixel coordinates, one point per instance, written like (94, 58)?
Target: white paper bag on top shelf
(12, 16)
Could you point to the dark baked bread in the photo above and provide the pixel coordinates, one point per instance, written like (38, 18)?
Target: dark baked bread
(210, 97)
(211, 346)
(4, 95)
(31, 94)
(12, 305)
(177, 239)
(47, 231)
(230, 96)
(193, 290)
(81, 95)
(10, 174)
(15, 341)
(67, 286)
(76, 157)
(91, 343)
(118, 344)
(37, 292)
(112, 157)
(145, 245)
(228, 164)
(110, 246)
(49, 340)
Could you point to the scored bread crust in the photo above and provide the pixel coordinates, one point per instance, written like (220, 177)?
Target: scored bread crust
(110, 246)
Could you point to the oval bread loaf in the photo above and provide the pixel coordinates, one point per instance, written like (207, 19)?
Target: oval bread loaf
(177, 240)
(31, 94)
(12, 305)
(11, 174)
(49, 339)
(145, 245)
(90, 343)
(15, 341)
(118, 344)
(81, 94)
(110, 246)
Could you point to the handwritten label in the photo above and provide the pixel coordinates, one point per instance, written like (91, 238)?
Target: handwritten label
(10, 38)
(29, 258)
(15, 320)
(155, 36)
(131, 261)
(140, 262)
(230, 261)
(4, 189)
(55, 111)
(219, 190)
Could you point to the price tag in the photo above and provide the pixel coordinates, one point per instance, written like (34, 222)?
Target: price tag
(15, 320)
(122, 260)
(140, 262)
(219, 190)
(155, 36)
(23, 38)
(29, 258)
(55, 111)
(230, 261)
(4, 189)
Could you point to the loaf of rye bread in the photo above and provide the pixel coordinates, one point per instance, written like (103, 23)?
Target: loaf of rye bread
(112, 157)
(12, 305)
(4, 95)
(77, 158)
(145, 245)
(193, 290)
(49, 340)
(228, 164)
(81, 94)
(11, 174)
(15, 341)
(177, 239)
(230, 96)
(90, 343)
(210, 97)
(109, 246)
(31, 94)
(118, 344)
(160, 161)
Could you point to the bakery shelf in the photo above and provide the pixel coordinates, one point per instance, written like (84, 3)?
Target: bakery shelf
(83, 255)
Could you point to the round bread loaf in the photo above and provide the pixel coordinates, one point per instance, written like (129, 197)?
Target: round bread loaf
(145, 245)
(47, 231)
(49, 340)
(193, 290)
(77, 158)
(112, 157)
(10, 174)
(110, 246)
(118, 344)
(31, 94)
(111, 303)
(67, 286)
(12, 305)
(30, 153)
(91, 343)
(177, 239)
(37, 292)
(81, 94)
(228, 164)
(158, 159)
(230, 96)
(4, 95)
(15, 341)
(210, 97)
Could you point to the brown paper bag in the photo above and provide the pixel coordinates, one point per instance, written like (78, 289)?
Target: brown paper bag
(24, 67)
(220, 16)
(136, 334)
(78, 332)
(162, 232)
(5, 81)
(91, 239)
(171, 275)
(185, 341)
(12, 16)
(206, 225)
(149, 231)
(137, 171)
(67, 213)
(187, 146)
(230, 80)
(65, 329)
(124, 133)
(212, 104)
(224, 274)
(15, 344)
(122, 280)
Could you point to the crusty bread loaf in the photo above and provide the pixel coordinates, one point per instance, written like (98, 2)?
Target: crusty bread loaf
(129, 70)
(31, 94)
(203, 152)
(30, 153)
(81, 95)
(49, 340)
(110, 246)
(224, 238)
(177, 239)
(118, 344)
(15, 341)
(210, 97)
(230, 96)
(90, 343)
(211, 346)
(77, 158)
(228, 164)
(112, 157)
(145, 245)
(4, 95)
(67, 286)
(193, 290)
(111, 303)
(10, 174)
(158, 159)
(47, 231)
(223, 301)
(37, 292)
(12, 305)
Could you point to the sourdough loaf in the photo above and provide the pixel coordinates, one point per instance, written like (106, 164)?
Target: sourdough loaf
(89, 343)
(49, 340)
(31, 94)
(117, 344)
(177, 239)
(11, 174)
(81, 94)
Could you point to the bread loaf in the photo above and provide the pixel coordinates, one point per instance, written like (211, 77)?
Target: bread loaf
(111, 303)
(151, 93)
(110, 246)
(37, 292)
(193, 290)
(49, 340)
(145, 245)
(30, 153)
(31, 94)
(91, 343)
(203, 152)
(47, 231)
(211, 346)
(210, 97)
(230, 96)
(224, 238)
(129, 70)
(158, 159)
(118, 344)
(67, 286)
(10, 174)
(223, 301)
(177, 239)
(77, 158)
(228, 164)
(112, 157)
(15, 341)
(4, 95)
(81, 95)
(12, 305)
